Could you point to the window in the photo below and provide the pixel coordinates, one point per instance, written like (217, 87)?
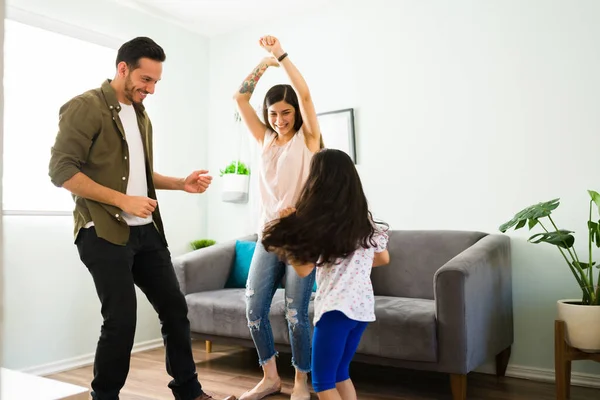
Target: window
(42, 71)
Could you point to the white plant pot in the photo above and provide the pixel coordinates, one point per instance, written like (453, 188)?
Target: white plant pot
(235, 188)
(582, 324)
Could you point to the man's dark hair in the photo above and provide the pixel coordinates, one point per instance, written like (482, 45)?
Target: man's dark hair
(141, 47)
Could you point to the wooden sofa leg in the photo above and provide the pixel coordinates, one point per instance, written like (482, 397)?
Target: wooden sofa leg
(458, 384)
(208, 346)
(502, 362)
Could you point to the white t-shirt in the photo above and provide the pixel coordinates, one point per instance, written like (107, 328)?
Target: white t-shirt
(346, 286)
(137, 185)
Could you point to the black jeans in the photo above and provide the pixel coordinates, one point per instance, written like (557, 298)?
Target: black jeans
(146, 262)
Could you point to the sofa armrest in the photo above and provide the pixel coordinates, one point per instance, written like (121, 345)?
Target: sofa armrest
(473, 297)
(205, 269)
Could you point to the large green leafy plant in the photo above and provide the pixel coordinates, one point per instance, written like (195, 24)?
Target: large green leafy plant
(564, 240)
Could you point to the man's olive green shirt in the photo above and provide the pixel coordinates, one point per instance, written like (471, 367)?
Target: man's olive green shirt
(91, 140)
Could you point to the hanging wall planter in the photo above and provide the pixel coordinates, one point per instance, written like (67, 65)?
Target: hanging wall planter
(235, 182)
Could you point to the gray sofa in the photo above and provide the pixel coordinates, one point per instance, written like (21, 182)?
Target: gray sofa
(444, 303)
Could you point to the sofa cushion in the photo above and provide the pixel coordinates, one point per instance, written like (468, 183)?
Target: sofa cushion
(244, 250)
(415, 256)
(223, 313)
(405, 329)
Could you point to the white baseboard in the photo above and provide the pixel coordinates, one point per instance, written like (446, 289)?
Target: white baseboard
(542, 375)
(84, 360)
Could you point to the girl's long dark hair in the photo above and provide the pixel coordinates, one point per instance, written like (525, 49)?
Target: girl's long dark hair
(332, 218)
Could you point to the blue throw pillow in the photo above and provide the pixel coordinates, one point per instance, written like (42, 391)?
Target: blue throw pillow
(244, 250)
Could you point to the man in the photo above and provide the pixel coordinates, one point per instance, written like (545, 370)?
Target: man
(103, 155)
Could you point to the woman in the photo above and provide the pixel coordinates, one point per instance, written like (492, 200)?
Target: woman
(288, 137)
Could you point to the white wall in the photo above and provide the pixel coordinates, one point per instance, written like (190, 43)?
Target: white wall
(52, 313)
(2, 10)
(466, 112)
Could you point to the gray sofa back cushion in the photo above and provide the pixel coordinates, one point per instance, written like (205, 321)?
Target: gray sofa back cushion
(415, 256)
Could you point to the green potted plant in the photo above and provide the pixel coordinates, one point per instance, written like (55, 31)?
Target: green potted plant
(201, 243)
(581, 316)
(236, 176)
(236, 182)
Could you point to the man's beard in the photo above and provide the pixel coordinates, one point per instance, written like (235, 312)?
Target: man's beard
(129, 91)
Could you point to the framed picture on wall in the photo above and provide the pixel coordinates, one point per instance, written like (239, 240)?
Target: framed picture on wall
(337, 129)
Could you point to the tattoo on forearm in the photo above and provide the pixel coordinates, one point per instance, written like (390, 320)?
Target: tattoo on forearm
(250, 83)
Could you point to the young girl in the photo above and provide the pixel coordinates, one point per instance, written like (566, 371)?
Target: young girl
(331, 228)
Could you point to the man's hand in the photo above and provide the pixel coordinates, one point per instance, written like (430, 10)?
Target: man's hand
(197, 182)
(139, 206)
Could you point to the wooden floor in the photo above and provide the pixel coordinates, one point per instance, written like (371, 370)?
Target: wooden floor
(229, 370)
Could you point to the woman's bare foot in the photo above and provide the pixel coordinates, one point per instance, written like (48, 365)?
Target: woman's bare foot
(266, 387)
(270, 384)
(301, 390)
